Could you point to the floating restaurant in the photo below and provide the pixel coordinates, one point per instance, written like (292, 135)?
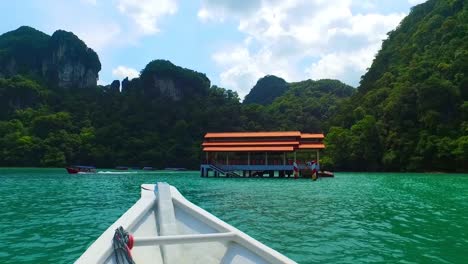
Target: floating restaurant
(260, 154)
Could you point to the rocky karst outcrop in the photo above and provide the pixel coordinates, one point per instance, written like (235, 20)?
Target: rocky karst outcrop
(62, 60)
(162, 78)
(166, 87)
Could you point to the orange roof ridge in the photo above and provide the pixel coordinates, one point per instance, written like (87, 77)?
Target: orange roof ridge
(253, 134)
(253, 149)
(253, 143)
(312, 146)
(308, 135)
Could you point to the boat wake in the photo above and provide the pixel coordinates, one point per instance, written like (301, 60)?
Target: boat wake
(117, 172)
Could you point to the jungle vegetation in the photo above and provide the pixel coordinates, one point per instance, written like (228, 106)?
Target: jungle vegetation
(409, 113)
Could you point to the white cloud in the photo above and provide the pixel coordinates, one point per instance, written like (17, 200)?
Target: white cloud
(243, 69)
(416, 2)
(99, 36)
(342, 65)
(297, 39)
(122, 72)
(221, 9)
(147, 13)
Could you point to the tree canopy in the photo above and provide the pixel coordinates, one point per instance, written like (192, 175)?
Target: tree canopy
(409, 113)
(416, 91)
(266, 90)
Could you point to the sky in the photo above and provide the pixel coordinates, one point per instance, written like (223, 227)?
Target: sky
(234, 42)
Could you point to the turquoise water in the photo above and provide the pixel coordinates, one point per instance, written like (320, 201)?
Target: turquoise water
(48, 216)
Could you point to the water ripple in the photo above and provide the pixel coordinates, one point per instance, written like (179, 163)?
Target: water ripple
(49, 216)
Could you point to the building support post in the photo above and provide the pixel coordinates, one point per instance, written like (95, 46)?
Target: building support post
(227, 158)
(284, 158)
(294, 156)
(266, 158)
(248, 158)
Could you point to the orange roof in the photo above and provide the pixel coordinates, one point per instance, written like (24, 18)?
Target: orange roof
(262, 141)
(254, 143)
(237, 149)
(253, 134)
(312, 136)
(311, 146)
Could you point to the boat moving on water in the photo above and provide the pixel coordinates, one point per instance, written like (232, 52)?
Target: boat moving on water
(166, 228)
(74, 169)
(326, 174)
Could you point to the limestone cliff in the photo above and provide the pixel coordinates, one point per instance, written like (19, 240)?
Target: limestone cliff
(162, 78)
(62, 60)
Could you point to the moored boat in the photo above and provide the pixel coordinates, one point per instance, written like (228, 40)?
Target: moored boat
(326, 174)
(167, 228)
(175, 169)
(74, 169)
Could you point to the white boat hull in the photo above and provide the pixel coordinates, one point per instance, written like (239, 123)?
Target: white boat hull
(169, 229)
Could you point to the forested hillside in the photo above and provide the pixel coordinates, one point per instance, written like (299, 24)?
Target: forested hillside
(266, 90)
(410, 112)
(411, 108)
(305, 106)
(158, 119)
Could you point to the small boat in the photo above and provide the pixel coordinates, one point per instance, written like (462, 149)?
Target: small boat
(166, 228)
(326, 174)
(74, 169)
(148, 168)
(175, 169)
(121, 168)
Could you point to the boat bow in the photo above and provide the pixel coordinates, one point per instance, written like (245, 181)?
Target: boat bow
(167, 228)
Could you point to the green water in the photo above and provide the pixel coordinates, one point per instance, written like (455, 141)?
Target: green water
(48, 216)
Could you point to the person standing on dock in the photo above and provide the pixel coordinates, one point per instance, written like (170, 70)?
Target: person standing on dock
(314, 168)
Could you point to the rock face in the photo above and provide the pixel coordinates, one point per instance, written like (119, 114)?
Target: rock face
(161, 78)
(115, 86)
(63, 60)
(166, 87)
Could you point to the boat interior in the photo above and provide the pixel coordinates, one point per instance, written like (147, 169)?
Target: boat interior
(169, 229)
